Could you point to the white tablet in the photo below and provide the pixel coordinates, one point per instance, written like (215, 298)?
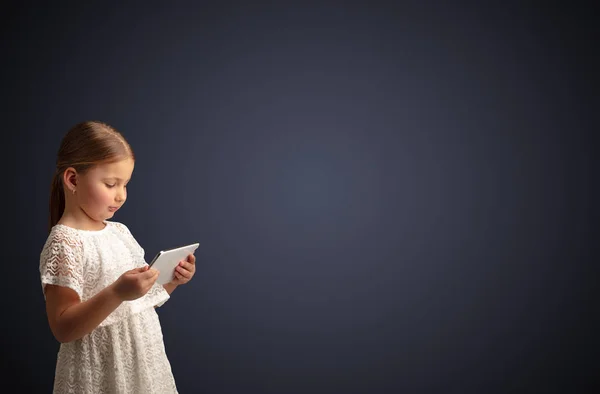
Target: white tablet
(166, 261)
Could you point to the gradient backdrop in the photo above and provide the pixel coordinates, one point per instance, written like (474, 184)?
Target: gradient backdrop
(388, 198)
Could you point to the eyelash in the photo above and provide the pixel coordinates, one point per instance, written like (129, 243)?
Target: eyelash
(111, 186)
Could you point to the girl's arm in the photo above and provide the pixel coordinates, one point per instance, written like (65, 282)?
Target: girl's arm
(169, 287)
(71, 319)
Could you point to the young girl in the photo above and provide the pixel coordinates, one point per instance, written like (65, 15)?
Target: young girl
(100, 293)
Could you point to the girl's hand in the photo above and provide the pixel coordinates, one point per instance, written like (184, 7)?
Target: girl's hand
(135, 283)
(184, 271)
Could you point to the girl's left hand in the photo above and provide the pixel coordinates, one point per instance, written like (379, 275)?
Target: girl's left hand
(184, 271)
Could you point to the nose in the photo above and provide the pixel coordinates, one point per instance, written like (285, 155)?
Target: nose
(120, 196)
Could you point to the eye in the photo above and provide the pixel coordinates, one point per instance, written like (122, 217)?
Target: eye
(109, 186)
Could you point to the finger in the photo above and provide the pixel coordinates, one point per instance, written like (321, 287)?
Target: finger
(187, 266)
(136, 270)
(143, 268)
(150, 282)
(191, 259)
(150, 273)
(180, 277)
(182, 271)
(153, 278)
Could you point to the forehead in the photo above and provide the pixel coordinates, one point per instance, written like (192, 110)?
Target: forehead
(119, 169)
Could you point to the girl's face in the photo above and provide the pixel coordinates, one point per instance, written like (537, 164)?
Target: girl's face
(103, 189)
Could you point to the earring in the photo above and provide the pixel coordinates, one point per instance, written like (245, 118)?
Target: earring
(73, 191)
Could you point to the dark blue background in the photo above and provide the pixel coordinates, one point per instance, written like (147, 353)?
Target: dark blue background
(388, 198)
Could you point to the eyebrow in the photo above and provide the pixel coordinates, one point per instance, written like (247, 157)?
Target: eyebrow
(117, 178)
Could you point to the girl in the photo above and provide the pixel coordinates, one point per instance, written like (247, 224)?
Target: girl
(100, 293)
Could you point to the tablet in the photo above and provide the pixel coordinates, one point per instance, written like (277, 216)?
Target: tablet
(166, 261)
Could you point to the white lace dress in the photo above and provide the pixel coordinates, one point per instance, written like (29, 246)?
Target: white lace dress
(125, 353)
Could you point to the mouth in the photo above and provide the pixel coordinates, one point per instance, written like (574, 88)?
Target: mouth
(113, 209)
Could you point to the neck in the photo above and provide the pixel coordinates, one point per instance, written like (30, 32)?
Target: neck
(75, 217)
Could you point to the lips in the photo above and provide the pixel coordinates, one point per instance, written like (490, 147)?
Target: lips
(113, 209)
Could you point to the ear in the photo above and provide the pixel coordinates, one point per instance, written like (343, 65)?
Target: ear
(70, 179)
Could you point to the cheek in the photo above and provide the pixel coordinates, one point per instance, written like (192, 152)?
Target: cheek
(99, 195)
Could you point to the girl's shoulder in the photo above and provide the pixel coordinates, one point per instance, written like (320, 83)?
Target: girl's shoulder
(63, 234)
(119, 227)
(61, 230)
(61, 241)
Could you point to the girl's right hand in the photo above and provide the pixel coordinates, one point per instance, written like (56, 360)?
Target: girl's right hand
(135, 283)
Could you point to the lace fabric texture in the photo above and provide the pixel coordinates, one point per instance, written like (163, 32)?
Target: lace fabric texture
(125, 353)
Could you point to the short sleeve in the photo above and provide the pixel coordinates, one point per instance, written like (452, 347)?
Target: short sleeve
(61, 262)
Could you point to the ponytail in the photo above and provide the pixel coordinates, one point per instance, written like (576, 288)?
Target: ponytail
(57, 200)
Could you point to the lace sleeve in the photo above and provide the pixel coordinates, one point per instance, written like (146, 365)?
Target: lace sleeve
(61, 263)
